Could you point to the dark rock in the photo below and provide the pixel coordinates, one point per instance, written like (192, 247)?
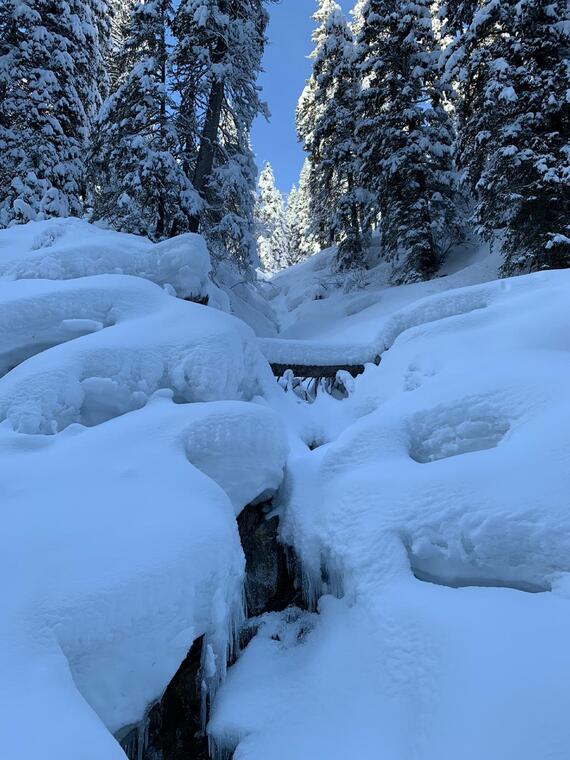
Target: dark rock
(172, 728)
(270, 586)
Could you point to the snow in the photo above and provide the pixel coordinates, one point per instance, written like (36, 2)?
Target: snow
(427, 510)
(433, 531)
(50, 250)
(324, 322)
(133, 427)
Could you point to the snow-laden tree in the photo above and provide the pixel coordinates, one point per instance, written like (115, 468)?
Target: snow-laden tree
(121, 11)
(228, 222)
(272, 229)
(52, 79)
(217, 58)
(455, 15)
(405, 136)
(140, 183)
(512, 68)
(302, 243)
(326, 125)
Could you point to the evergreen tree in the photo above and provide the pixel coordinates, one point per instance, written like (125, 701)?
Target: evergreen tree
(405, 135)
(52, 78)
(271, 223)
(326, 124)
(228, 222)
(301, 243)
(121, 11)
(219, 46)
(511, 68)
(141, 184)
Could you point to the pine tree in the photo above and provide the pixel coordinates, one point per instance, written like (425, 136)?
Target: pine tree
(271, 223)
(405, 135)
(455, 15)
(219, 46)
(511, 68)
(301, 243)
(52, 78)
(228, 222)
(121, 11)
(326, 124)
(141, 184)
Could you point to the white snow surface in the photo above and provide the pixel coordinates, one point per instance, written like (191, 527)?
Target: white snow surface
(428, 510)
(133, 427)
(63, 249)
(434, 534)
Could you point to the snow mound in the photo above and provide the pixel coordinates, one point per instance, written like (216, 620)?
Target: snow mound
(63, 249)
(133, 427)
(133, 339)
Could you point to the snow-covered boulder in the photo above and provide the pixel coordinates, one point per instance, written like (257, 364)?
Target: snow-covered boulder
(63, 249)
(133, 427)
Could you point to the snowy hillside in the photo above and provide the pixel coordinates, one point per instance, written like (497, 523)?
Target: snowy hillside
(425, 515)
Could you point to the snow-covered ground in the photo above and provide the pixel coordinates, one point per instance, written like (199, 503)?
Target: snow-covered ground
(129, 441)
(434, 532)
(429, 510)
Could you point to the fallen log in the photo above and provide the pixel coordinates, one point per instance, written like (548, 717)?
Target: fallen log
(319, 371)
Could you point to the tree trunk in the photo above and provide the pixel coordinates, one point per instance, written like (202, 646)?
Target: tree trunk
(161, 211)
(208, 140)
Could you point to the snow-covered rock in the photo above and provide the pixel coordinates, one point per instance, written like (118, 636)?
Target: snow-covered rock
(63, 249)
(129, 440)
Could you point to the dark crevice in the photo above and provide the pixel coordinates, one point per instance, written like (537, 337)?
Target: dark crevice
(173, 728)
(270, 584)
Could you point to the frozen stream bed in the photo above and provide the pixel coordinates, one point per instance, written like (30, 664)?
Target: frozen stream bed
(427, 512)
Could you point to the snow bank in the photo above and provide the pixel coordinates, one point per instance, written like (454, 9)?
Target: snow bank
(133, 427)
(63, 249)
(133, 340)
(326, 319)
(436, 512)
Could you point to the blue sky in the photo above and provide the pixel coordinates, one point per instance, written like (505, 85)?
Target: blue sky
(286, 67)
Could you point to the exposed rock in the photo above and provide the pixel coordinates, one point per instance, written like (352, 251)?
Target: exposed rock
(172, 728)
(270, 585)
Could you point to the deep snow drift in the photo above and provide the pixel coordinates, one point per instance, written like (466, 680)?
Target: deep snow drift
(437, 509)
(430, 519)
(127, 447)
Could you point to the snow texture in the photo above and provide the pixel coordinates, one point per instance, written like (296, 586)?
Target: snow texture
(433, 530)
(127, 447)
(63, 249)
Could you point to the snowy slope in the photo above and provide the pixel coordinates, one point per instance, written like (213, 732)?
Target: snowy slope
(437, 511)
(129, 441)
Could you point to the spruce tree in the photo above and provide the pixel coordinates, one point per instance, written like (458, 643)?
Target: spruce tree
(301, 242)
(141, 184)
(228, 221)
(511, 69)
(326, 124)
(52, 78)
(405, 136)
(271, 223)
(219, 46)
